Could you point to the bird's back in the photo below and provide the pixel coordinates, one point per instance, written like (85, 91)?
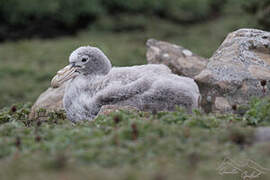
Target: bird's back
(130, 74)
(149, 87)
(146, 87)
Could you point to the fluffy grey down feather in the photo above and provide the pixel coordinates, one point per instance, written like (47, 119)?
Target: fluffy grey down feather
(146, 87)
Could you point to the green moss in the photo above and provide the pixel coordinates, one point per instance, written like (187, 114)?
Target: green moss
(125, 144)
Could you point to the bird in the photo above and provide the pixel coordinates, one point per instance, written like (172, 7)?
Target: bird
(92, 82)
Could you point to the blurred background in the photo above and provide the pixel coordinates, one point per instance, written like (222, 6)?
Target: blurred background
(37, 36)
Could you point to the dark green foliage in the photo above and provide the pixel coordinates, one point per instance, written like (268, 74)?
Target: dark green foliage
(45, 18)
(241, 136)
(52, 17)
(16, 112)
(178, 10)
(132, 6)
(259, 112)
(191, 11)
(261, 9)
(122, 23)
(124, 145)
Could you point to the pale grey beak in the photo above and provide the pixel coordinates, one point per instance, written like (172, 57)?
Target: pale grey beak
(64, 75)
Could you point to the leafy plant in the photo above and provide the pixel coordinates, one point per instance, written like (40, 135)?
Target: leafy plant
(259, 112)
(261, 9)
(53, 17)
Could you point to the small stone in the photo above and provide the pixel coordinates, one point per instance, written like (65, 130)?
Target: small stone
(262, 134)
(180, 60)
(209, 98)
(187, 52)
(166, 55)
(221, 104)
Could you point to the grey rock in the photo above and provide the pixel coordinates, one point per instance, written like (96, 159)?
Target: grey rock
(180, 60)
(262, 134)
(236, 70)
(51, 100)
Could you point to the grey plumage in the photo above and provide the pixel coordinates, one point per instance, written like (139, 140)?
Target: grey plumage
(146, 87)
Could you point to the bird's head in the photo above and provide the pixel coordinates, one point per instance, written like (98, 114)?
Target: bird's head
(89, 60)
(85, 60)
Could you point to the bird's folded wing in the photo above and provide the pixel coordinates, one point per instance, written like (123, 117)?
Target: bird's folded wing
(115, 93)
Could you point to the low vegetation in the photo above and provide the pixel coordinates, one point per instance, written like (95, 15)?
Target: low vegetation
(129, 145)
(259, 9)
(31, 18)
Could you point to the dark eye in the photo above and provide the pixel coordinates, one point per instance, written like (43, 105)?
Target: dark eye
(84, 59)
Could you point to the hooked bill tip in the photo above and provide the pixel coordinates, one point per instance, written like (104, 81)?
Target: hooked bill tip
(63, 75)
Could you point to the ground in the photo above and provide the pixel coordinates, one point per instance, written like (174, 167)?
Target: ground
(125, 144)
(129, 145)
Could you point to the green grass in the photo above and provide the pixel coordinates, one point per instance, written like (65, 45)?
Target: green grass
(126, 145)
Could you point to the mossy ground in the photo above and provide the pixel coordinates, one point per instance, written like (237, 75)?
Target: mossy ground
(125, 144)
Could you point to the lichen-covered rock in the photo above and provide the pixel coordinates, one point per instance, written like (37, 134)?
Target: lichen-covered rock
(180, 60)
(238, 70)
(51, 100)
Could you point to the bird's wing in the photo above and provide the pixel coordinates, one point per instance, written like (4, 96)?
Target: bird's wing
(119, 92)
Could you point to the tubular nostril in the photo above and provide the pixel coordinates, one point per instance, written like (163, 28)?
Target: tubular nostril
(73, 64)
